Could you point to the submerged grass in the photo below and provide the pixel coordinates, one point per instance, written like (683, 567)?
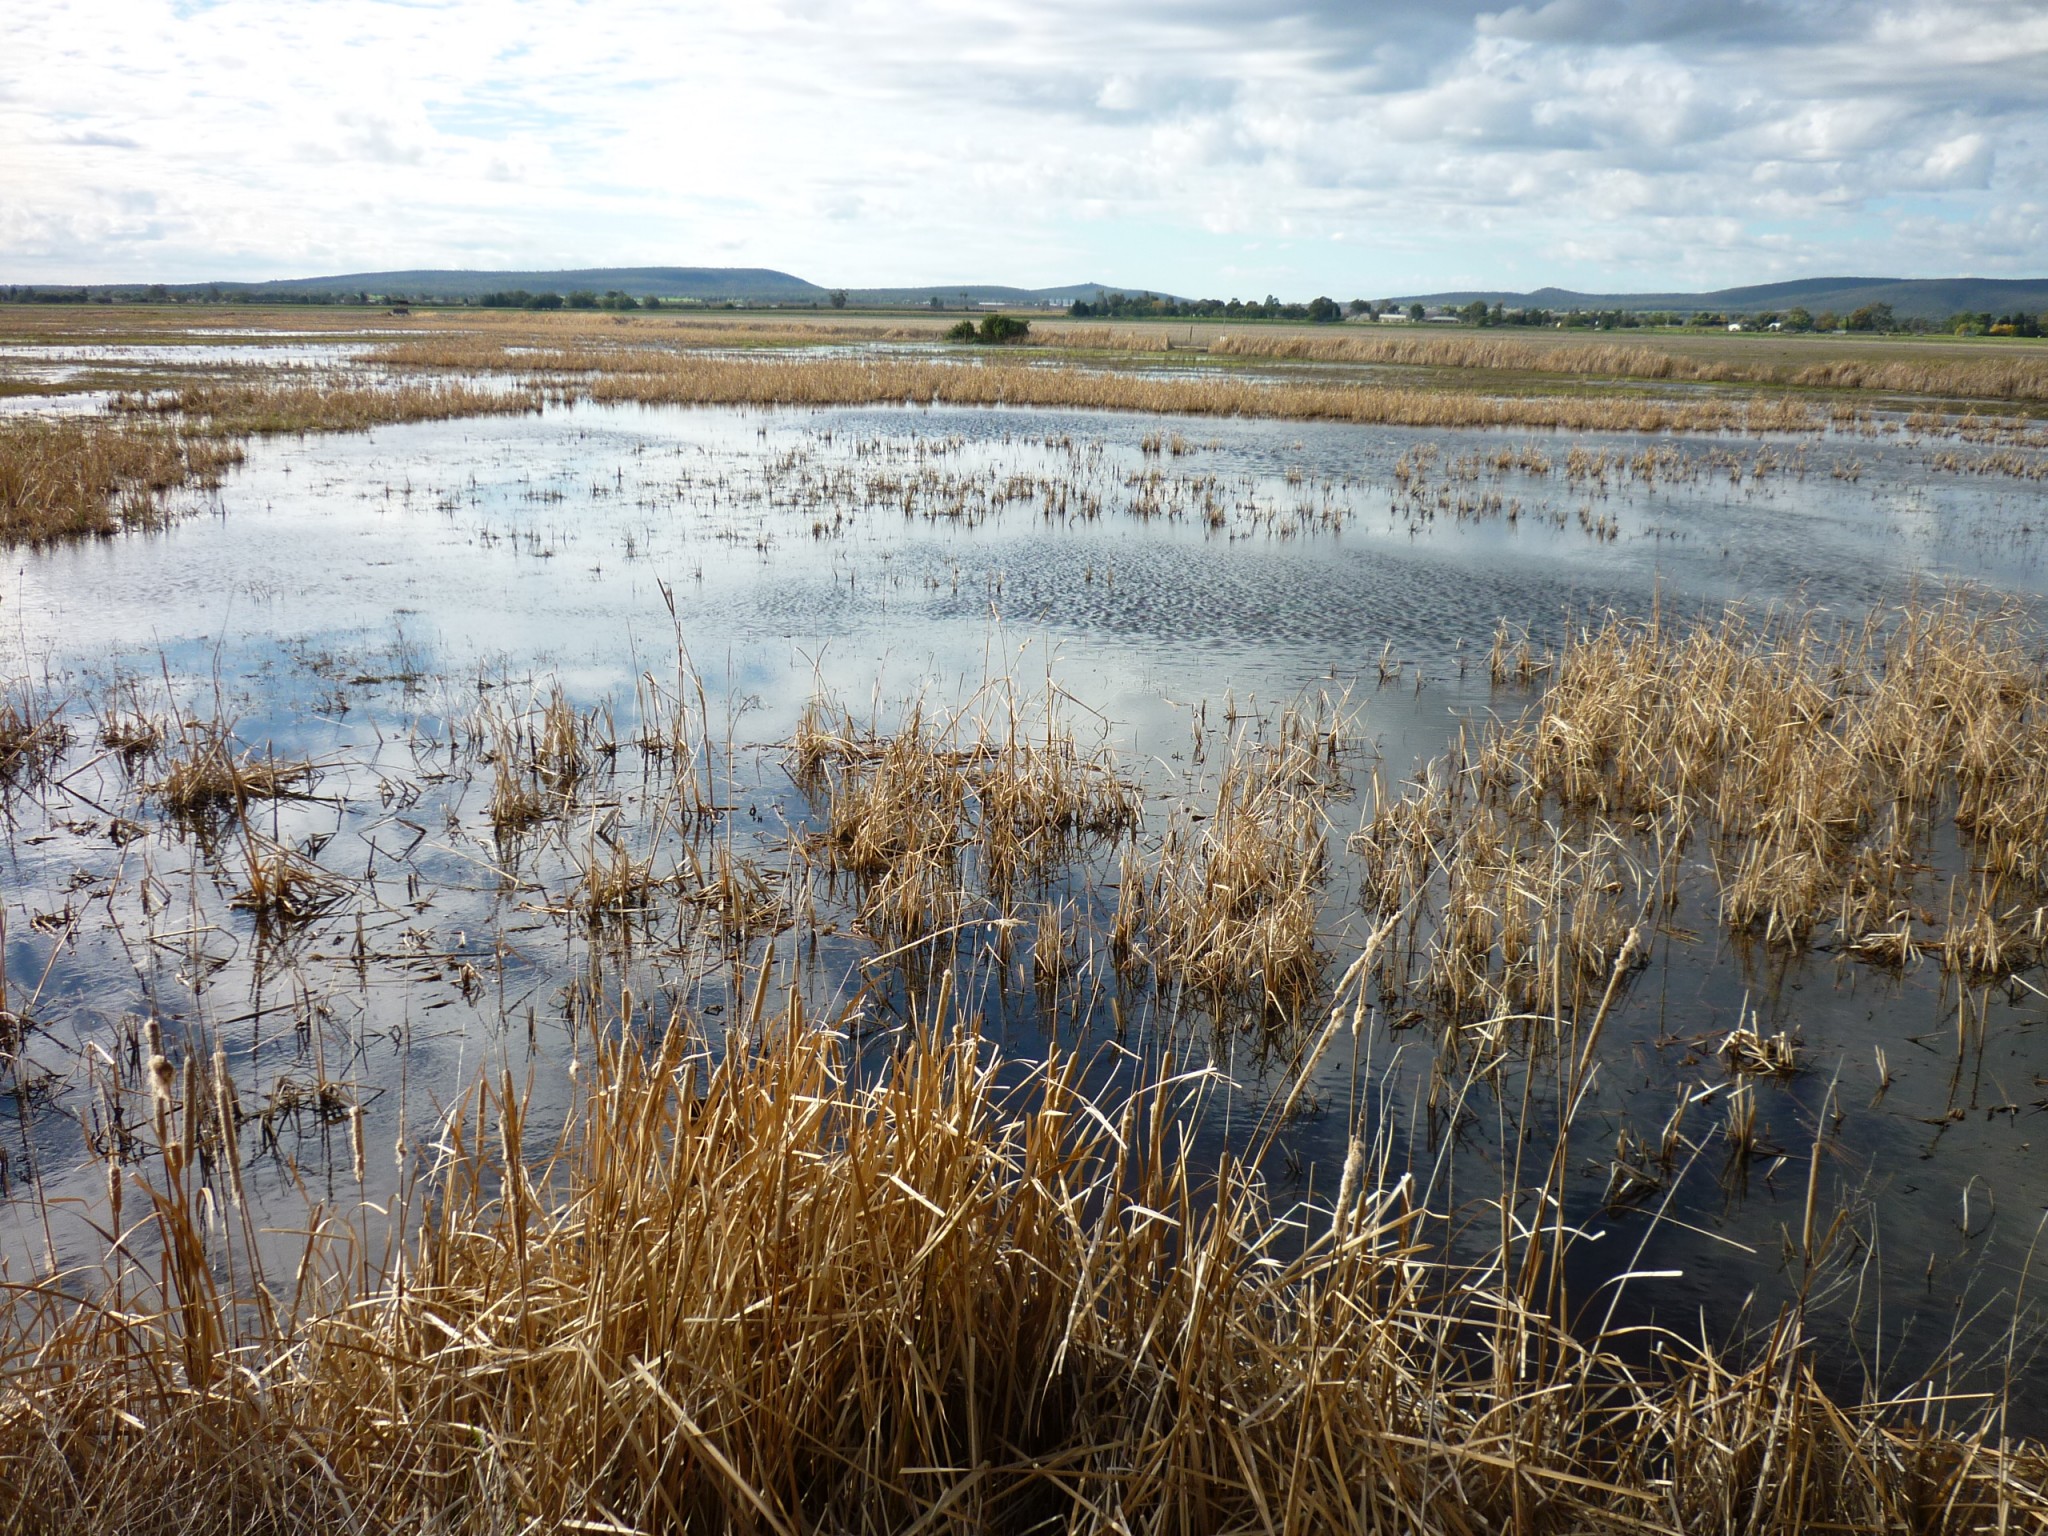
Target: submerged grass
(772, 1293)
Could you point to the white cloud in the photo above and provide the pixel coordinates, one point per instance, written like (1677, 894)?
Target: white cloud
(1596, 143)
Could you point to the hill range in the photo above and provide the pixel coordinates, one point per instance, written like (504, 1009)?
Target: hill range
(707, 285)
(1910, 298)
(1918, 298)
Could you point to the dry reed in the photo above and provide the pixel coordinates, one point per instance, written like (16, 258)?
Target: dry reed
(2021, 377)
(1009, 786)
(207, 777)
(91, 477)
(772, 1293)
(678, 379)
(1229, 907)
(1816, 760)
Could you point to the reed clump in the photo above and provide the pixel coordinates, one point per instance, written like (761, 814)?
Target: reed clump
(1824, 754)
(86, 477)
(207, 778)
(538, 757)
(772, 1292)
(285, 887)
(1229, 907)
(131, 733)
(1821, 764)
(1007, 785)
(33, 735)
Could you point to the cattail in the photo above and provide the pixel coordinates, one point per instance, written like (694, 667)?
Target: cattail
(355, 1140)
(161, 1076)
(227, 1112)
(1347, 1190)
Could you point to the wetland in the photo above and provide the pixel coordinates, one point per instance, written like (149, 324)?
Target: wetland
(806, 932)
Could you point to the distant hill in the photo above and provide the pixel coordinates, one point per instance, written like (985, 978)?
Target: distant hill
(1926, 298)
(707, 285)
(710, 284)
(986, 293)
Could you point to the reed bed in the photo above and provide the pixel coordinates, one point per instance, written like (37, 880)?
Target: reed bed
(769, 1292)
(1816, 762)
(268, 407)
(2018, 378)
(85, 478)
(900, 811)
(695, 380)
(1229, 907)
(96, 476)
(657, 372)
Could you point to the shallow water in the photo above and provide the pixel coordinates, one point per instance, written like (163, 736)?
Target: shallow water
(358, 600)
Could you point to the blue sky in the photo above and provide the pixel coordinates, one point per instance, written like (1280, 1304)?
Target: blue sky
(1211, 147)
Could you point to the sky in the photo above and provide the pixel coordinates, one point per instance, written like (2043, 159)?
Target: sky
(1208, 147)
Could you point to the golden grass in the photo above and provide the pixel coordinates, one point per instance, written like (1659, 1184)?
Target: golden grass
(206, 777)
(1228, 909)
(679, 379)
(2019, 376)
(86, 477)
(1815, 760)
(1007, 785)
(774, 1294)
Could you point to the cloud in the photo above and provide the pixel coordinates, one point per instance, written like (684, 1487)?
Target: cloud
(1189, 144)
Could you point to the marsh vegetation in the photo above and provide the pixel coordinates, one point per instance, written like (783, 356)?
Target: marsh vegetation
(1114, 950)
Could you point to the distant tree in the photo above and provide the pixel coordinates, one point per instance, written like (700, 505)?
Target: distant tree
(1797, 319)
(1474, 313)
(1871, 317)
(543, 301)
(934, 302)
(1323, 310)
(650, 302)
(1359, 307)
(582, 298)
(1416, 311)
(1827, 320)
(994, 330)
(838, 298)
